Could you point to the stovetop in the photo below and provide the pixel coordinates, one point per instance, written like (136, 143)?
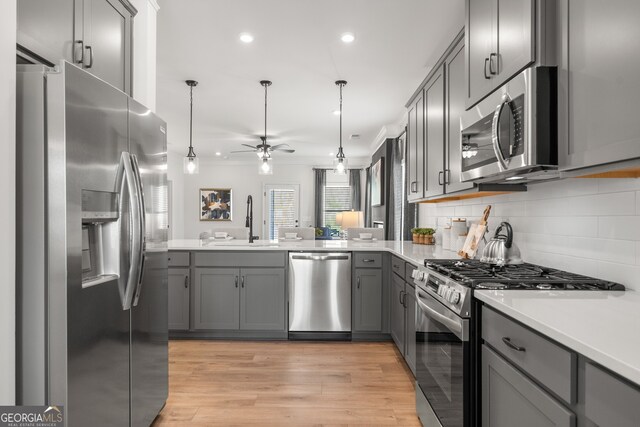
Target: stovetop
(479, 275)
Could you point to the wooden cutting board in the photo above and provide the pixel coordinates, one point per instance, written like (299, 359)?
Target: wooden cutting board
(476, 233)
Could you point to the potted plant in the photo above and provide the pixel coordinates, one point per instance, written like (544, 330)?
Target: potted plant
(415, 233)
(427, 236)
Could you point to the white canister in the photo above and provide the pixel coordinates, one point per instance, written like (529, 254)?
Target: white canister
(446, 238)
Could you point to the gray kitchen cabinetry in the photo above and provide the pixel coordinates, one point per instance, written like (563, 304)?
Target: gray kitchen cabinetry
(262, 299)
(598, 88)
(434, 140)
(239, 299)
(403, 313)
(510, 399)
(93, 34)
(500, 38)
(609, 401)
(415, 149)
(178, 289)
(367, 291)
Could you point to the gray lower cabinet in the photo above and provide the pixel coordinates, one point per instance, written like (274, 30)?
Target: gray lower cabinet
(510, 399)
(397, 312)
(239, 299)
(179, 283)
(262, 299)
(598, 87)
(367, 315)
(410, 327)
(217, 298)
(609, 401)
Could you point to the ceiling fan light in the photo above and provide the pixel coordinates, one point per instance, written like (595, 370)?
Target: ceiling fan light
(266, 168)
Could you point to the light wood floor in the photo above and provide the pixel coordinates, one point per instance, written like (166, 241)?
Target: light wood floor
(216, 383)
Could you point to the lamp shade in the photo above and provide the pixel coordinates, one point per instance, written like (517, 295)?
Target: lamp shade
(339, 218)
(352, 219)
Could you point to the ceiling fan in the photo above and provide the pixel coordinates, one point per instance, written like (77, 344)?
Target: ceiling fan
(264, 150)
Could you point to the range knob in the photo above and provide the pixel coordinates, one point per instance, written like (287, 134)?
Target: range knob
(441, 290)
(453, 297)
(414, 273)
(420, 276)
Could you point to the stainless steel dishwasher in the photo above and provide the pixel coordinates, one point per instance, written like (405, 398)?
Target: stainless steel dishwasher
(319, 295)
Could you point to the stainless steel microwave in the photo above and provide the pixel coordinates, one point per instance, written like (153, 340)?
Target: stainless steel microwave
(512, 134)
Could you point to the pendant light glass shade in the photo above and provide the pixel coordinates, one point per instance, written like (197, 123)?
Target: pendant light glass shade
(191, 164)
(340, 162)
(266, 168)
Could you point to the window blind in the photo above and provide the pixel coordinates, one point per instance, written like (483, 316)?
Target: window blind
(336, 199)
(282, 212)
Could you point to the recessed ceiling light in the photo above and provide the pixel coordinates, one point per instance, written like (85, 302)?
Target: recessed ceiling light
(218, 153)
(246, 38)
(332, 154)
(347, 37)
(336, 112)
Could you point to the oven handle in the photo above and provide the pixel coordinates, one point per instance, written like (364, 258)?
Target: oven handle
(458, 326)
(495, 134)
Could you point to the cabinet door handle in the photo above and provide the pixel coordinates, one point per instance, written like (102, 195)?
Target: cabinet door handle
(486, 60)
(404, 299)
(447, 176)
(441, 178)
(242, 281)
(401, 296)
(491, 56)
(186, 282)
(236, 281)
(75, 52)
(508, 343)
(414, 186)
(358, 282)
(90, 49)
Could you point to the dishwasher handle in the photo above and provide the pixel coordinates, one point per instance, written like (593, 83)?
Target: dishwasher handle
(320, 257)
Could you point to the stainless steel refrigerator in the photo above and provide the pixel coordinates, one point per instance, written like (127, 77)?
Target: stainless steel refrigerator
(92, 249)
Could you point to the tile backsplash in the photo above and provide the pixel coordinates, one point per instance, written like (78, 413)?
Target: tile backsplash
(586, 226)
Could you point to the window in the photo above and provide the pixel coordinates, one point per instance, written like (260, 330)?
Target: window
(337, 198)
(282, 208)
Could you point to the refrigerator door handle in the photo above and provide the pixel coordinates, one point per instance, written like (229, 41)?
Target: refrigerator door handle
(129, 179)
(143, 227)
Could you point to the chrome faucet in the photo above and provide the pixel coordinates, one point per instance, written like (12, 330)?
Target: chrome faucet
(249, 220)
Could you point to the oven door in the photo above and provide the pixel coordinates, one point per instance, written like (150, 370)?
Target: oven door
(442, 363)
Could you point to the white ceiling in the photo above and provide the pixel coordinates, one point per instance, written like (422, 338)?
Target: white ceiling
(297, 46)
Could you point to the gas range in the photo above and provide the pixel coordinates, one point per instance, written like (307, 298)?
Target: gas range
(452, 281)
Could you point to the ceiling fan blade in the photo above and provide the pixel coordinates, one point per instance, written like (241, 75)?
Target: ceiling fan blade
(284, 150)
(242, 151)
(250, 146)
(277, 147)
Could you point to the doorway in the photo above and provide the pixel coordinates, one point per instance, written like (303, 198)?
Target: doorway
(281, 208)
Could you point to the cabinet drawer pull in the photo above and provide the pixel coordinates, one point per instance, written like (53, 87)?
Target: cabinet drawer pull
(396, 266)
(236, 281)
(368, 260)
(486, 60)
(186, 282)
(508, 343)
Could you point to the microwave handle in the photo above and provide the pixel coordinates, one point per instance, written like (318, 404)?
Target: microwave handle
(495, 134)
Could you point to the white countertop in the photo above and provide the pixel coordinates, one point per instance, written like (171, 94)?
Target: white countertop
(415, 254)
(602, 326)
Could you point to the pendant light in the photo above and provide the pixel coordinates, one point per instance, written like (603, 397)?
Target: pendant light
(266, 168)
(191, 164)
(340, 162)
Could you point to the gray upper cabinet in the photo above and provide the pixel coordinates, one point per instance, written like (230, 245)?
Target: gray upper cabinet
(262, 299)
(217, 298)
(93, 34)
(598, 87)
(455, 102)
(415, 150)
(367, 314)
(500, 43)
(435, 124)
(179, 283)
(510, 399)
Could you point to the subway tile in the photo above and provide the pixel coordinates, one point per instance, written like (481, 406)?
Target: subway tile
(510, 209)
(619, 227)
(463, 211)
(628, 275)
(601, 204)
(618, 184)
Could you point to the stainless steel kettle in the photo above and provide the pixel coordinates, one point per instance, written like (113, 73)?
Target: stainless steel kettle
(500, 250)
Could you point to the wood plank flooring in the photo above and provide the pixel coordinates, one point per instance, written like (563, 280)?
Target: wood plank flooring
(283, 383)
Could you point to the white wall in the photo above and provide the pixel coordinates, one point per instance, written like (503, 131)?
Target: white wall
(7, 194)
(144, 52)
(176, 180)
(587, 226)
(244, 180)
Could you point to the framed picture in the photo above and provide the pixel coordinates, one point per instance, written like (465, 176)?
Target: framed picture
(377, 183)
(215, 204)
